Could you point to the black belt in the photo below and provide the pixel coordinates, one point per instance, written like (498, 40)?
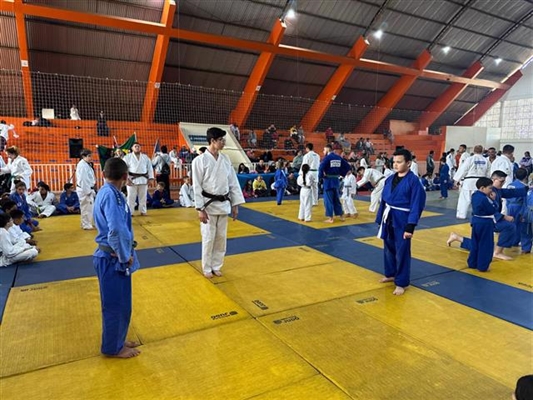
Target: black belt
(379, 180)
(135, 175)
(214, 197)
(473, 177)
(109, 249)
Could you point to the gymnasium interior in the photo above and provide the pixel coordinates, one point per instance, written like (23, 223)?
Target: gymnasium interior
(299, 312)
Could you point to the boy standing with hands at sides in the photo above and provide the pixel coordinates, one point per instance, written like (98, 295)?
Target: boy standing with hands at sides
(483, 210)
(349, 190)
(307, 182)
(115, 260)
(403, 201)
(216, 194)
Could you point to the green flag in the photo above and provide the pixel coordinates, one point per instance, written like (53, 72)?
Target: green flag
(105, 153)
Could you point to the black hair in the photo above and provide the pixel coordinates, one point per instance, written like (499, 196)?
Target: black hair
(405, 153)
(305, 170)
(67, 186)
(202, 149)
(360, 168)
(309, 146)
(162, 184)
(4, 220)
(115, 168)
(508, 149)
(524, 388)
(7, 204)
(85, 153)
(498, 174)
(164, 149)
(44, 186)
(521, 174)
(329, 146)
(16, 213)
(214, 133)
(483, 182)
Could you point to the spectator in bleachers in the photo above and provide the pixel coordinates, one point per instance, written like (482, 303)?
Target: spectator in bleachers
(345, 143)
(260, 187)
(161, 162)
(18, 167)
(69, 203)
(243, 169)
(186, 193)
(248, 190)
(234, 128)
(160, 197)
(369, 147)
(527, 163)
(101, 125)
(30, 225)
(360, 145)
(13, 252)
(267, 156)
(252, 139)
(379, 163)
(74, 113)
(184, 154)
(330, 136)
(42, 201)
(301, 135)
(4, 134)
(260, 167)
(297, 161)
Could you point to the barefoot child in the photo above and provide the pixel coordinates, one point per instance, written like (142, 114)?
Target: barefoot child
(13, 251)
(307, 182)
(403, 201)
(349, 190)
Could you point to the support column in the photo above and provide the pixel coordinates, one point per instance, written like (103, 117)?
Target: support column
(370, 123)
(158, 62)
(241, 112)
(470, 118)
(441, 103)
(24, 58)
(322, 103)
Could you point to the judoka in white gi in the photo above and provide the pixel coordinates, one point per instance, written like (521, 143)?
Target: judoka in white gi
(186, 193)
(465, 155)
(216, 193)
(18, 167)
(376, 179)
(349, 190)
(468, 173)
(85, 184)
(11, 251)
(4, 133)
(503, 163)
(404, 199)
(306, 181)
(140, 172)
(313, 160)
(42, 201)
(450, 161)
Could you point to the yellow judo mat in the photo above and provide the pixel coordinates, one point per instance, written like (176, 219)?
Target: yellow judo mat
(288, 210)
(430, 245)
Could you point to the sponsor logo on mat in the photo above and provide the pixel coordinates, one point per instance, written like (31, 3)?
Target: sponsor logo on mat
(260, 304)
(223, 315)
(429, 284)
(526, 285)
(286, 320)
(367, 300)
(34, 288)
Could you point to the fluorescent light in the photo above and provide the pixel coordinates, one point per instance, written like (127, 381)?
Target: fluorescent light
(446, 49)
(378, 34)
(498, 60)
(291, 14)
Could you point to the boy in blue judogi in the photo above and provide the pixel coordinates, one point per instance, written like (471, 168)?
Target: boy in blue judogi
(115, 260)
(69, 202)
(402, 203)
(331, 168)
(516, 207)
(483, 210)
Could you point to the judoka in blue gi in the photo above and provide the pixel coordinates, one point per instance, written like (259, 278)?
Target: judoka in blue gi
(69, 202)
(444, 178)
(483, 210)
(504, 223)
(517, 208)
(280, 182)
(331, 168)
(402, 203)
(115, 260)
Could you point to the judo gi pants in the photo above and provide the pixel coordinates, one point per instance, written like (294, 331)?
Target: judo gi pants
(26, 255)
(279, 195)
(397, 256)
(86, 210)
(115, 294)
(444, 189)
(349, 206)
(139, 191)
(481, 246)
(314, 189)
(375, 196)
(463, 202)
(306, 204)
(214, 242)
(507, 231)
(332, 202)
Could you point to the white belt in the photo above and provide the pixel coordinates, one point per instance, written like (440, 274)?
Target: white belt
(486, 217)
(386, 215)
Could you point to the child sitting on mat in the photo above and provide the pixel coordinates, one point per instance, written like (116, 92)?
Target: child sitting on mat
(13, 252)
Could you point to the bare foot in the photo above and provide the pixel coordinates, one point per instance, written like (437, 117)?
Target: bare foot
(501, 256)
(342, 218)
(454, 237)
(126, 352)
(385, 280)
(208, 275)
(307, 221)
(355, 215)
(398, 291)
(217, 273)
(329, 220)
(131, 344)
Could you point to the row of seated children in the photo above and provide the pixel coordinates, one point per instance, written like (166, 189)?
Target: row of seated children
(161, 198)
(16, 246)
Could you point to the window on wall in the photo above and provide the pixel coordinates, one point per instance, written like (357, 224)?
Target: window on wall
(491, 119)
(518, 119)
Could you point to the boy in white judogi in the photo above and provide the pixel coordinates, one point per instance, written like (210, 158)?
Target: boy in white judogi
(85, 183)
(42, 201)
(307, 182)
(12, 252)
(313, 160)
(349, 190)
(376, 179)
(140, 172)
(186, 193)
(216, 193)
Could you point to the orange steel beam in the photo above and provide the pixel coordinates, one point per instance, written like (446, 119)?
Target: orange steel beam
(315, 114)
(158, 62)
(375, 117)
(225, 41)
(24, 59)
(241, 112)
(441, 103)
(470, 118)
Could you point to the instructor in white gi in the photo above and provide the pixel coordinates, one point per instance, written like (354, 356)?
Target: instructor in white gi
(140, 171)
(216, 193)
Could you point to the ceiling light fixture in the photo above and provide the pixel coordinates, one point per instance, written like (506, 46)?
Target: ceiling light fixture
(498, 60)
(446, 49)
(378, 34)
(291, 14)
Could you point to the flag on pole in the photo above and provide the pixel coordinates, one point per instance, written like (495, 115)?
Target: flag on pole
(105, 153)
(157, 147)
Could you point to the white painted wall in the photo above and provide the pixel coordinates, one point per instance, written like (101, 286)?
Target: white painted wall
(523, 89)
